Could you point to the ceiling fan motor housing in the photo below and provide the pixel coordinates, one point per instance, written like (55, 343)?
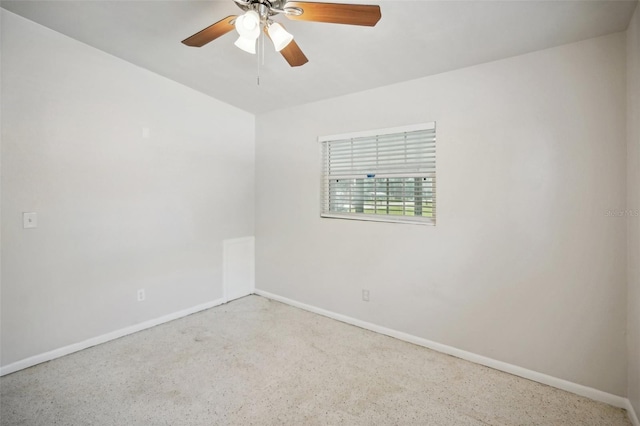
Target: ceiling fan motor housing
(266, 8)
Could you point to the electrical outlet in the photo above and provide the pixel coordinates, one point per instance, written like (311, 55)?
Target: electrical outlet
(141, 295)
(365, 295)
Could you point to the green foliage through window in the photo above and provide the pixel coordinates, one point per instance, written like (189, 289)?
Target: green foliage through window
(383, 196)
(381, 175)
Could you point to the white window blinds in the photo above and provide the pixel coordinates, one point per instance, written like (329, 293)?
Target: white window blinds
(383, 175)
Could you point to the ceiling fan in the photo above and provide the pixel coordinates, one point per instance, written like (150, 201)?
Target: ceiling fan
(258, 14)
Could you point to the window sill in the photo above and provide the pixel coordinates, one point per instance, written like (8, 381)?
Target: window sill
(376, 218)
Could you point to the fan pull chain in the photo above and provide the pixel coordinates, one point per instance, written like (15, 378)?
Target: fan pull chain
(262, 36)
(260, 55)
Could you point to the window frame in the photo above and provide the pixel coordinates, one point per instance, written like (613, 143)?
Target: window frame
(325, 202)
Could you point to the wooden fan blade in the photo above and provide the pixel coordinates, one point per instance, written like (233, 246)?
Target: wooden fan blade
(335, 13)
(210, 33)
(293, 54)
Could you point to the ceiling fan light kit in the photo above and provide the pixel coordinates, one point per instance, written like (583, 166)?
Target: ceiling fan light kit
(246, 44)
(248, 26)
(279, 36)
(258, 15)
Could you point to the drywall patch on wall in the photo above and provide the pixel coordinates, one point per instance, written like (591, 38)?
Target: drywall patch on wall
(238, 268)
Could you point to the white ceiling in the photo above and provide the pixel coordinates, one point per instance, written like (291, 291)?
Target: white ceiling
(413, 39)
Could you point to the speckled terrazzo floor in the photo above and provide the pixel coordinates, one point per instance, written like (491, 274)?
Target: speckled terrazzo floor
(256, 361)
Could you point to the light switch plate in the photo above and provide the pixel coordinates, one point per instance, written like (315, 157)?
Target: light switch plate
(29, 220)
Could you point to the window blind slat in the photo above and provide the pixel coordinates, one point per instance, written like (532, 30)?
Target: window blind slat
(375, 157)
(354, 146)
(381, 177)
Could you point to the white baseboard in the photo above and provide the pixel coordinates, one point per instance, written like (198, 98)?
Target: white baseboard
(633, 416)
(595, 394)
(66, 350)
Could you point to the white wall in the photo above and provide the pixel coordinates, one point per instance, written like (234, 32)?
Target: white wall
(524, 265)
(117, 212)
(633, 194)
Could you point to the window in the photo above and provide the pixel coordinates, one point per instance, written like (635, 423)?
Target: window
(382, 175)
